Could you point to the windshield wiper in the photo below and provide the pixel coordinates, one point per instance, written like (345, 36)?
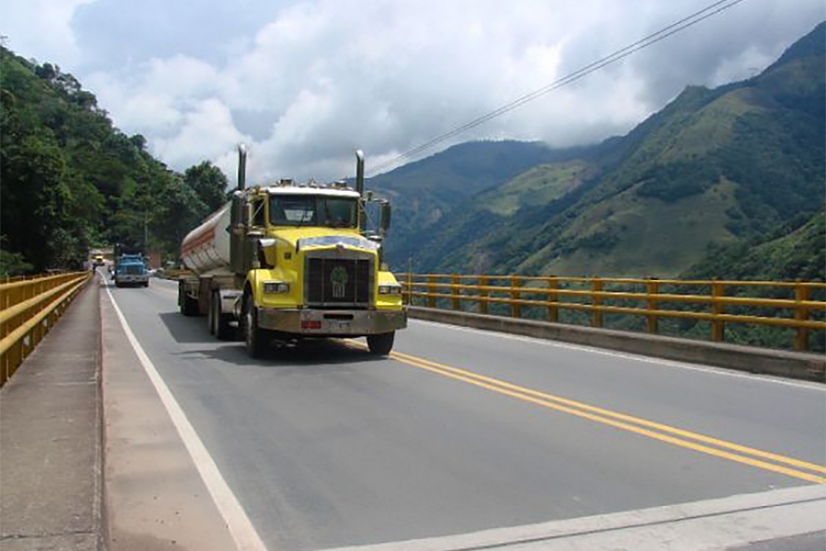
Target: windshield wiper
(304, 217)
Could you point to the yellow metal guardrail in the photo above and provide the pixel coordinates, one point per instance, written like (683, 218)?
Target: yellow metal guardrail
(28, 310)
(798, 310)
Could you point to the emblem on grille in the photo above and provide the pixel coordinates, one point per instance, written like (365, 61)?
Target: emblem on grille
(339, 278)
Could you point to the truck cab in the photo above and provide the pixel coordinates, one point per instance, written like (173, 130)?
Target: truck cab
(316, 274)
(130, 269)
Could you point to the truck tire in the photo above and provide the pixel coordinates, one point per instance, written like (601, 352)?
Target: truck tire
(381, 344)
(218, 322)
(255, 338)
(188, 305)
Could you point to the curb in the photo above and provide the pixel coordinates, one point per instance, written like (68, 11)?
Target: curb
(794, 365)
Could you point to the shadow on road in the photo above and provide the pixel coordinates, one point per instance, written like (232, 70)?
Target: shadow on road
(186, 329)
(303, 354)
(190, 330)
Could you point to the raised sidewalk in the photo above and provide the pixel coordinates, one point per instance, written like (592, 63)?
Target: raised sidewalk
(50, 438)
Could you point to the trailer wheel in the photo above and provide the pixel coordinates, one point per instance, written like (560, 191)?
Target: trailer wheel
(218, 322)
(381, 344)
(188, 306)
(254, 337)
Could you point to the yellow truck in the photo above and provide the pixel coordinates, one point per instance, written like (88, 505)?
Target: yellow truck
(290, 261)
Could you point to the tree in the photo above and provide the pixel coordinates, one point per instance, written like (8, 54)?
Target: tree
(209, 184)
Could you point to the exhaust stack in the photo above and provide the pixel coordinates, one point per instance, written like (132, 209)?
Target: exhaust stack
(242, 167)
(360, 172)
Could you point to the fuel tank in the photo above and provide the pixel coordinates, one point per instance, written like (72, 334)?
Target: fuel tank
(206, 248)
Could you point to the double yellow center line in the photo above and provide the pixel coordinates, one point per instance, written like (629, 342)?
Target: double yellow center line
(672, 435)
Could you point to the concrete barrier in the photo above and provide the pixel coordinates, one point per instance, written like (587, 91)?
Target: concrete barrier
(796, 365)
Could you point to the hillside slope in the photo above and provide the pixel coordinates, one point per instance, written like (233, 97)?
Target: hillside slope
(795, 250)
(425, 191)
(713, 167)
(71, 180)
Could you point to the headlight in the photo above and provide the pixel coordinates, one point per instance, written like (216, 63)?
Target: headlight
(393, 289)
(276, 287)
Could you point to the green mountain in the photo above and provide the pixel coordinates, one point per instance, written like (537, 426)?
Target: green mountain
(714, 167)
(423, 192)
(795, 250)
(71, 180)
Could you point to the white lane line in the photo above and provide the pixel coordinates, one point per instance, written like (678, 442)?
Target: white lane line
(626, 356)
(243, 532)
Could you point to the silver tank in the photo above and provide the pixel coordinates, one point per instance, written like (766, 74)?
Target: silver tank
(206, 248)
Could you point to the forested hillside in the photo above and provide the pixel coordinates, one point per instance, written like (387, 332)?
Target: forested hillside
(794, 250)
(715, 168)
(71, 180)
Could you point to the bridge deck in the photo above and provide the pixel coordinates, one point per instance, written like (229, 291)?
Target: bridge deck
(461, 438)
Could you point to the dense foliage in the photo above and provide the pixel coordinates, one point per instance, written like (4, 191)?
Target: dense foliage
(794, 250)
(72, 181)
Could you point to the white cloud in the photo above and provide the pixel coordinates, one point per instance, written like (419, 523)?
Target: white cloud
(306, 82)
(206, 131)
(42, 29)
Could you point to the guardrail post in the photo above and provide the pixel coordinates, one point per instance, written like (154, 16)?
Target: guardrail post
(801, 335)
(431, 290)
(553, 298)
(402, 279)
(718, 327)
(5, 361)
(596, 301)
(455, 302)
(652, 288)
(409, 285)
(516, 308)
(484, 281)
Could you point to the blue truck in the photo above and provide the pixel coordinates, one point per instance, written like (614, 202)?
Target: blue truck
(130, 269)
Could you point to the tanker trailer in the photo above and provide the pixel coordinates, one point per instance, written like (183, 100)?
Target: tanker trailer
(289, 261)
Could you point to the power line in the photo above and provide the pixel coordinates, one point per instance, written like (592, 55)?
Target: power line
(662, 34)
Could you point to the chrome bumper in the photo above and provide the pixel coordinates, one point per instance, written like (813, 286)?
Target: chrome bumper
(131, 278)
(328, 323)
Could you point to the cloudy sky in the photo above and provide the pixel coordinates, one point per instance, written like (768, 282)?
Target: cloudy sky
(305, 82)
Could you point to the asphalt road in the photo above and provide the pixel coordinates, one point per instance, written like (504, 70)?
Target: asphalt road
(461, 431)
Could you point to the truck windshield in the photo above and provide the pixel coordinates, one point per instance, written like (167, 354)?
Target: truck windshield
(312, 210)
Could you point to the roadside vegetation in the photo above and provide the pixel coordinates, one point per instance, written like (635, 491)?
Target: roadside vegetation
(71, 181)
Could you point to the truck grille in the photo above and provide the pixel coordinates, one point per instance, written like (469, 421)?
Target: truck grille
(343, 282)
(133, 270)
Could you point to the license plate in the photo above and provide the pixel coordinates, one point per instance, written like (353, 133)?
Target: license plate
(339, 325)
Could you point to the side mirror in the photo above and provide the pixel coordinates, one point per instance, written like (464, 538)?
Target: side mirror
(384, 223)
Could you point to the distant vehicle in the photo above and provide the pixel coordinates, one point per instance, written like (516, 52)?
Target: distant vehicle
(98, 260)
(130, 269)
(290, 262)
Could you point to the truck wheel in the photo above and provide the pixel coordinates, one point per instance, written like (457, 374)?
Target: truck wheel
(254, 337)
(188, 306)
(381, 344)
(146, 284)
(218, 322)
